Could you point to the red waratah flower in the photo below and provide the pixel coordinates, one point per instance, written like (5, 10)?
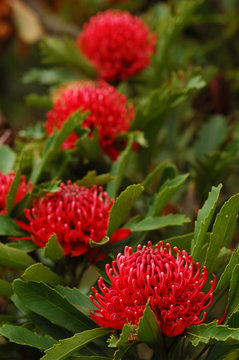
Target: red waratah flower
(108, 113)
(5, 183)
(76, 215)
(118, 43)
(173, 287)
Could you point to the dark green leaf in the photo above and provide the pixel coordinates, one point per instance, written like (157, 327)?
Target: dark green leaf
(8, 227)
(224, 280)
(77, 298)
(14, 258)
(24, 336)
(148, 330)
(154, 223)
(40, 101)
(67, 347)
(24, 245)
(39, 272)
(50, 304)
(53, 249)
(182, 242)
(233, 295)
(5, 288)
(203, 221)
(221, 233)
(157, 171)
(124, 342)
(122, 206)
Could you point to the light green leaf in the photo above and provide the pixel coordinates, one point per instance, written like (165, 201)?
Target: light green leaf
(8, 227)
(91, 178)
(24, 245)
(203, 221)
(224, 280)
(221, 233)
(118, 168)
(39, 272)
(26, 337)
(47, 302)
(40, 101)
(68, 346)
(5, 288)
(53, 249)
(94, 244)
(55, 141)
(154, 223)
(122, 206)
(65, 52)
(168, 189)
(212, 334)
(7, 159)
(123, 343)
(14, 258)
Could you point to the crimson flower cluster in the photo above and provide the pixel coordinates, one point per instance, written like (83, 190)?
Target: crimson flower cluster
(172, 285)
(5, 183)
(108, 109)
(76, 214)
(118, 43)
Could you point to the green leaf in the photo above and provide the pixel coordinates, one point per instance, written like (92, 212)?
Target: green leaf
(124, 343)
(55, 141)
(148, 330)
(91, 178)
(77, 298)
(122, 206)
(39, 272)
(233, 295)
(211, 135)
(14, 258)
(50, 304)
(24, 245)
(203, 221)
(168, 189)
(212, 334)
(40, 101)
(157, 171)
(27, 337)
(14, 186)
(45, 188)
(65, 52)
(224, 280)
(67, 347)
(7, 159)
(8, 227)
(53, 249)
(183, 242)
(5, 288)
(118, 168)
(221, 233)
(94, 244)
(82, 357)
(154, 223)
(52, 76)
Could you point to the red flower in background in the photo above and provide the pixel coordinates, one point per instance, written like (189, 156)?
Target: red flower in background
(5, 183)
(172, 285)
(75, 214)
(119, 44)
(108, 109)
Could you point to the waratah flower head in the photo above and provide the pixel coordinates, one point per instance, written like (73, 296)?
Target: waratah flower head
(108, 113)
(173, 286)
(5, 183)
(76, 215)
(118, 43)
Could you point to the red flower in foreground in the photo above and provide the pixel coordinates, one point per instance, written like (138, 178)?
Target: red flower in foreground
(172, 285)
(108, 113)
(119, 44)
(5, 183)
(76, 215)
